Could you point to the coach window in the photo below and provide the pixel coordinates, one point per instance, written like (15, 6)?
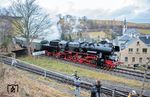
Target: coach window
(126, 59)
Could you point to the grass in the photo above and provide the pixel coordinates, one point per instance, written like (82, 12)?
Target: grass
(96, 34)
(144, 31)
(69, 69)
(62, 86)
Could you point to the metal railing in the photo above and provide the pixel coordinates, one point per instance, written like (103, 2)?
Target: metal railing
(57, 76)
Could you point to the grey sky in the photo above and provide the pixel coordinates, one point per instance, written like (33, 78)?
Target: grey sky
(133, 10)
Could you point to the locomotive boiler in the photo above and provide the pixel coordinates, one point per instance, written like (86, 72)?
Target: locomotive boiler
(100, 54)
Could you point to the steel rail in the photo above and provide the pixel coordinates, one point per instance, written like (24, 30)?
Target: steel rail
(139, 74)
(57, 76)
(134, 73)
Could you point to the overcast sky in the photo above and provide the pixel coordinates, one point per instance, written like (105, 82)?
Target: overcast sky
(132, 10)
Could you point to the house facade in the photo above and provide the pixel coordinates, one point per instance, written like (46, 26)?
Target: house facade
(136, 52)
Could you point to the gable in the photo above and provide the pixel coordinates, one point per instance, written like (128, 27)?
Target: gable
(134, 44)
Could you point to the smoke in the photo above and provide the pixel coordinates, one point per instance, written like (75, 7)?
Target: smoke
(53, 34)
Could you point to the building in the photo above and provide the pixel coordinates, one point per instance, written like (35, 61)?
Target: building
(136, 52)
(132, 32)
(122, 41)
(135, 48)
(127, 36)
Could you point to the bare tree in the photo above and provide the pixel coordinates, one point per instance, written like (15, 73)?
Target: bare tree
(65, 25)
(33, 20)
(82, 26)
(69, 24)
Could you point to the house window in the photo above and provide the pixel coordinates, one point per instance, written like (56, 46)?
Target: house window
(138, 43)
(144, 50)
(140, 60)
(126, 59)
(130, 50)
(133, 59)
(137, 50)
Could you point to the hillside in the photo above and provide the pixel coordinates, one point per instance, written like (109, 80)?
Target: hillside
(98, 35)
(116, 26)
(144, 31)
(31, 85)
(120, 23)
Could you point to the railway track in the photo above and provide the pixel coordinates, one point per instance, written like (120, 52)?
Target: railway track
(57, 76)
(139, 74)
(132, 74)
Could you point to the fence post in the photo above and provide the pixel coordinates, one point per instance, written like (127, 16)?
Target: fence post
(45, 73)
(13, 59)
(113, 92)
(1, 60)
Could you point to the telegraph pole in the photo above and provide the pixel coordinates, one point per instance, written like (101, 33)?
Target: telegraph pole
(144, 79)
(1, 59)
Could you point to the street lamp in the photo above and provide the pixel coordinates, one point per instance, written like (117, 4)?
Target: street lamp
(145, 73)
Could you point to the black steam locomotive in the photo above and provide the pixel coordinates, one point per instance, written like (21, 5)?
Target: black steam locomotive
(94, 54)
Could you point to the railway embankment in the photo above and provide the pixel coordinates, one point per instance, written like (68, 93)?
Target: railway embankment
(108, 80)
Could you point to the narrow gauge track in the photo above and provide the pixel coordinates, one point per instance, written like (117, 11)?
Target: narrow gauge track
(57, 76)
(132, 74)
